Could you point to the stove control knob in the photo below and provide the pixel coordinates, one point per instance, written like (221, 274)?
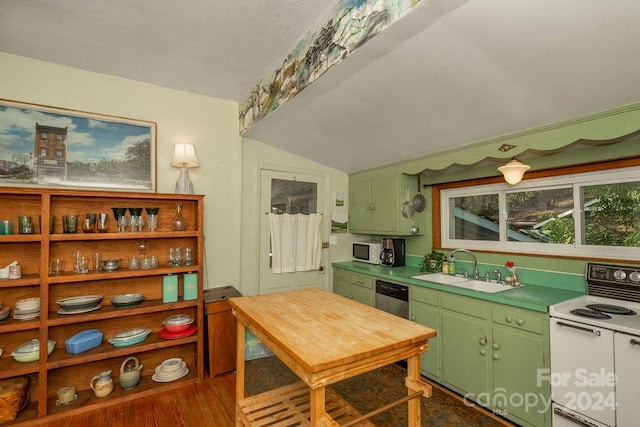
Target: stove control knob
(619, 274)
(634, 276)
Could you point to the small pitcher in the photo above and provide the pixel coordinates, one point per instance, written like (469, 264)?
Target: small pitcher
(130, 373)
(102, 384)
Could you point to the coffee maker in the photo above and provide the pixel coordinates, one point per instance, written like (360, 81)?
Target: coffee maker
(392, 254)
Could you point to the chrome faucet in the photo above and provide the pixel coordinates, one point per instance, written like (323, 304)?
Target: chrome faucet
(476, 275)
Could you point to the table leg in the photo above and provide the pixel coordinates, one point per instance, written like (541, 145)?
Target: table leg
(239, 370)
(413, 376)
(317, 402)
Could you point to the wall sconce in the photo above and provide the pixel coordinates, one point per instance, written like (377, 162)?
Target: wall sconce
(184, 157)
(513, 171)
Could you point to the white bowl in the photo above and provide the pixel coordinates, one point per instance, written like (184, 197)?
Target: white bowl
(28, 304)
(171, 365)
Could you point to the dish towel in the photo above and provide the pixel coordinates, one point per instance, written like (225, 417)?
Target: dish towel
(295, 242)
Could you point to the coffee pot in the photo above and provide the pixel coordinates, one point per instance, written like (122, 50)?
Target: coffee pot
(102, 384)
(130, 373)
(392, 254)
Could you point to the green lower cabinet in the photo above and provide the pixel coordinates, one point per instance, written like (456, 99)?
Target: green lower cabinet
(427, 315)
(358, 287)
(465, 356)
(520, 354)
(489, 353)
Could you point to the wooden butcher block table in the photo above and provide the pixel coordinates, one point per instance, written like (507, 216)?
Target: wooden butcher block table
(324, 338)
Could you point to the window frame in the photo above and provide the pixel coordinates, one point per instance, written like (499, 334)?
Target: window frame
(618, 171)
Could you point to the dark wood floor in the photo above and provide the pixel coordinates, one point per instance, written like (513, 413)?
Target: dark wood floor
(208, 403)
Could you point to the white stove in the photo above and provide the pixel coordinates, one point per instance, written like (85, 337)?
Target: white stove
(595, 351)
(610, 313)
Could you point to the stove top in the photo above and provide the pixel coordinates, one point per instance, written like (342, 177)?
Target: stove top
(582, 309)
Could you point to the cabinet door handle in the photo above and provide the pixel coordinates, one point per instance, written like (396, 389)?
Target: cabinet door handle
(634, 341)
(482, 352)
(508, 319)
(581, 328)
(483, 341)
(520, 322)
(495, 346)
(496, 356)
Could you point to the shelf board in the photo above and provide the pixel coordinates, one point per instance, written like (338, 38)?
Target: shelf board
(25, 280)
(67, 237)
(60, 358)
(11, 325)
(68, 277)
(9, 367)
(108, 311)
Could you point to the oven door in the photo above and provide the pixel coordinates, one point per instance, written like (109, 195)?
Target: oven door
(627, 349)
(582, 370)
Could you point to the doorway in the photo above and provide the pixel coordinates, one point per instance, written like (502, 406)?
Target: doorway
(292, 193)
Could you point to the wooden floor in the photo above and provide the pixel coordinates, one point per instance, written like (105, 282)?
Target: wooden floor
(208, 403)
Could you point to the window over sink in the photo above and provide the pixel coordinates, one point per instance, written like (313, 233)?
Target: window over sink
(593, 214)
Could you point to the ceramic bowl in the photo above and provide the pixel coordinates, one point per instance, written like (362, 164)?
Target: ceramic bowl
(30, 351)
(178, 327)
(171, 365)
(111, 264)
(28, 304)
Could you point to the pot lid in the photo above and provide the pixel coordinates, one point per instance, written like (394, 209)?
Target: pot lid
(28, 347)
(178, 319)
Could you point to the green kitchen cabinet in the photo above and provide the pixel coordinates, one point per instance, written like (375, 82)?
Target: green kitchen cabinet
(520, 345)
(424, 309)
(465, 347)
(358, 287)
(375, 204)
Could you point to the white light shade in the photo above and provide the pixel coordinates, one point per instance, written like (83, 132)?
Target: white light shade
(513, 171)
(184, 156)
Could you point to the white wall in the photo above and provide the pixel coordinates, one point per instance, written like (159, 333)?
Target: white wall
(209, 123)
(256, 156)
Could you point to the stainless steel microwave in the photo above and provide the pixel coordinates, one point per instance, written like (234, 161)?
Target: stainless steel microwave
(366, 252)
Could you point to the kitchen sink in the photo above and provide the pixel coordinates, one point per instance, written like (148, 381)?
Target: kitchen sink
(464, 282)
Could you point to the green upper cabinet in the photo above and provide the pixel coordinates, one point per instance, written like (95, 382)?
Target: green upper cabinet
(375, 204)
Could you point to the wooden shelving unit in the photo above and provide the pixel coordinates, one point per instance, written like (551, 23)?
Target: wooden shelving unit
(33, 252)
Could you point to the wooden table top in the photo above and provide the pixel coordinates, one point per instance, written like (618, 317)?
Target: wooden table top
(313, 330)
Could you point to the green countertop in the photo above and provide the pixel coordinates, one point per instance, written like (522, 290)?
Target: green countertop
(531, 297)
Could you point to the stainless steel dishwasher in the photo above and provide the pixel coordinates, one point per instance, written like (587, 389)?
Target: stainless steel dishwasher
(392, 298)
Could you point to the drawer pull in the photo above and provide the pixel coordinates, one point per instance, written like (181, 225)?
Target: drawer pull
(508, 319)
(496, 356)
(520, 322)
(495, 346)
(482, 352)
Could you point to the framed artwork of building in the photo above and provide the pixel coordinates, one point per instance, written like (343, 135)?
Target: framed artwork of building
(56, 147)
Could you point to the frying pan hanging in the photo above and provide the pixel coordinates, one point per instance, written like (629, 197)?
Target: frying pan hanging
(419, 202)
(407, 208)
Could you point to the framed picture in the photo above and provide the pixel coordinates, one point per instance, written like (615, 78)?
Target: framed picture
(56, 147)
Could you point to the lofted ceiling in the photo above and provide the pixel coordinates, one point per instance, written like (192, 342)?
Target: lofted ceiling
(449, 73)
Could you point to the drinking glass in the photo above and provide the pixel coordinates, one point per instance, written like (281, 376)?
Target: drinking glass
(69, 223)
(103, 222)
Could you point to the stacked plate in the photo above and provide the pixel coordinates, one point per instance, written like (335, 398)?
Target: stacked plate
(130, 337)
(5, 311)
(81, 304)
(27, 309)
(170, 370)
(177, 326)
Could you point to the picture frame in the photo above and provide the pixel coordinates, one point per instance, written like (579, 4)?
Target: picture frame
(57, 147)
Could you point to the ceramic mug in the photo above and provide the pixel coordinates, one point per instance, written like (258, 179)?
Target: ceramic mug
(66, 394)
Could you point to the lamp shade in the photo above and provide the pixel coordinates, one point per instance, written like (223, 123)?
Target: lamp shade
(184, 156)
(513, 171)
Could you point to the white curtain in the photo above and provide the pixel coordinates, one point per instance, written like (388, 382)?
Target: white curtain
(295, 242)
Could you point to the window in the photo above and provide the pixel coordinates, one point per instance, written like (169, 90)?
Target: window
(58, 153)
(595, 214)
(58, 138)
(43, 152)
(43, 136)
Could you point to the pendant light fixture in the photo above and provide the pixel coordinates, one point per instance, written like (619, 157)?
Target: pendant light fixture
(513, 171)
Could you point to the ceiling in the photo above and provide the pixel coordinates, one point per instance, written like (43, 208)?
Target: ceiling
(450, 73)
